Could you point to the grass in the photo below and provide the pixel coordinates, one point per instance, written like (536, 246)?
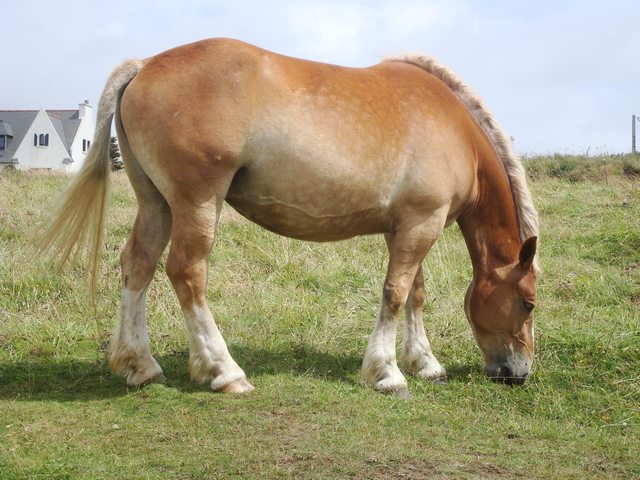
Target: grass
(296, 317)
(577, 168)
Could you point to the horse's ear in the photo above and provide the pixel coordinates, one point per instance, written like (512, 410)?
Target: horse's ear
(528, 252)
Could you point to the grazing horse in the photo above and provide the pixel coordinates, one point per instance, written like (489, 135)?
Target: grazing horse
(315, 152)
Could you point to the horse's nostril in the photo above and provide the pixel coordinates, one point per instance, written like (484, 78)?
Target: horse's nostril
(504, 372)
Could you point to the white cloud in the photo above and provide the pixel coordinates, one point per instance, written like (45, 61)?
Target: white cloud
(332, 31)
(400, 20)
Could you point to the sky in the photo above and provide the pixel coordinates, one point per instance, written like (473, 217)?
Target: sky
(560, 76)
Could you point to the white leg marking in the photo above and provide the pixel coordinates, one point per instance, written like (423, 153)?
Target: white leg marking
(379, 366)
(130, 354)
(418, 357)
(209, 357)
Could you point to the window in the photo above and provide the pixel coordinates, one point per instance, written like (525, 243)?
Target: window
(84, 145)
(88, 144)
(41, 140)
(3, 142)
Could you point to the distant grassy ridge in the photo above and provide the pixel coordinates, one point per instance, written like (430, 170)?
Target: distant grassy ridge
(556, 165)
(577, 168)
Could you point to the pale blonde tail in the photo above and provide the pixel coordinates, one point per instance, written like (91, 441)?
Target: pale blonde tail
(78, 220)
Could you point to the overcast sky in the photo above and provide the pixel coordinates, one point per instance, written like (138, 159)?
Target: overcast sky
(560, 76)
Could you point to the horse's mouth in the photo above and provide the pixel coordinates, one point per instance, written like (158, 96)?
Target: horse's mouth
(504, 374)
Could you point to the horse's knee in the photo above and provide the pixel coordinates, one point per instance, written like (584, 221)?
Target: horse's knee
(188, 279)
(177, 270)
(394, 297)
(136, 267)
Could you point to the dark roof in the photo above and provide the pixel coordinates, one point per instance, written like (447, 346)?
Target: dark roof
(66, 123)
(20, 122)
(5, 128)
(17, 122)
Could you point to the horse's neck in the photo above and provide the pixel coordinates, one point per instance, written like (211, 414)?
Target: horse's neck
(490, 227)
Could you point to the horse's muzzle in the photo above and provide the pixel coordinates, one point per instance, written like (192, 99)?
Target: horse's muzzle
(503, 373)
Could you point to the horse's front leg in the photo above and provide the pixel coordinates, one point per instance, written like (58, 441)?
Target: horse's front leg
(417, 355)
(407, 249)
(379, 367)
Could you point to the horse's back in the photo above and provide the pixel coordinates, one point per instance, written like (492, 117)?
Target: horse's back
(309, 150)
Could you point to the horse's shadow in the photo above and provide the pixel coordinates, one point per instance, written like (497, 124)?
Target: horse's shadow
(69, 379)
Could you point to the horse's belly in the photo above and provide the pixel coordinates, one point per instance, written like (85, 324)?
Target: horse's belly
(306, 207)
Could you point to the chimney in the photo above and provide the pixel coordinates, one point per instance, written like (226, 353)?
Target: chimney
(85, 110)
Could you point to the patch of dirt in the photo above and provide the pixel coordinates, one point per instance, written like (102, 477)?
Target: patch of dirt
(39, 352)
(289, 429)
(631, 268)
(400, 469)
(486, 469)
(418, 469)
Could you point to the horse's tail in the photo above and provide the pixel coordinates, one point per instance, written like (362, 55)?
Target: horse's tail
(79, 217)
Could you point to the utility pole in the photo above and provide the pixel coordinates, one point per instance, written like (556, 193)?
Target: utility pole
(633, 134)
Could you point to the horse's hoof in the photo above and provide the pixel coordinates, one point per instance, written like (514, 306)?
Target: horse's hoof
(239, 386)
(136, 380)
(402, 393)
(432, 373)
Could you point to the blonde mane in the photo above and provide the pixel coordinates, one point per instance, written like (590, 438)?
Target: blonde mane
(527, 215)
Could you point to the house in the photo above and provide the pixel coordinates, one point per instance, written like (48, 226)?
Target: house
(46, 139)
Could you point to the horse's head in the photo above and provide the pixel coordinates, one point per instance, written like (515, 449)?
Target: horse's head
(499, 305)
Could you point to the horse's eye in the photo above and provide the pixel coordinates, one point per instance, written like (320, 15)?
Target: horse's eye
(528, 306)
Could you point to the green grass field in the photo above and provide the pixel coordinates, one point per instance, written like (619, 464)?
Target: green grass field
(296, 317)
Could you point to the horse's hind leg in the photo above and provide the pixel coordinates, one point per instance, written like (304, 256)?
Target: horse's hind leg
(191, 240)
(417, 355)
(130, 354)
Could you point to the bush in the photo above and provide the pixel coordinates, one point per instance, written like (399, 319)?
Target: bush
(631, 166)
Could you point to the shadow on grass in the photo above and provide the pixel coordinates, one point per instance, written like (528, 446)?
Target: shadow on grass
(70, 379)
(462, 371)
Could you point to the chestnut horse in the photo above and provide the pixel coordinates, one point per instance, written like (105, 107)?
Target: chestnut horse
(315, 152)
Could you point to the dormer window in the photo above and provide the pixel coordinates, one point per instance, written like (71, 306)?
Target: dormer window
(6, 132)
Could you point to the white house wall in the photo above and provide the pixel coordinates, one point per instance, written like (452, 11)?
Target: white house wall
(85, 131)
(50, 157)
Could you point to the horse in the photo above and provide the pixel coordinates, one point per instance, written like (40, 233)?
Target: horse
(316, 152)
